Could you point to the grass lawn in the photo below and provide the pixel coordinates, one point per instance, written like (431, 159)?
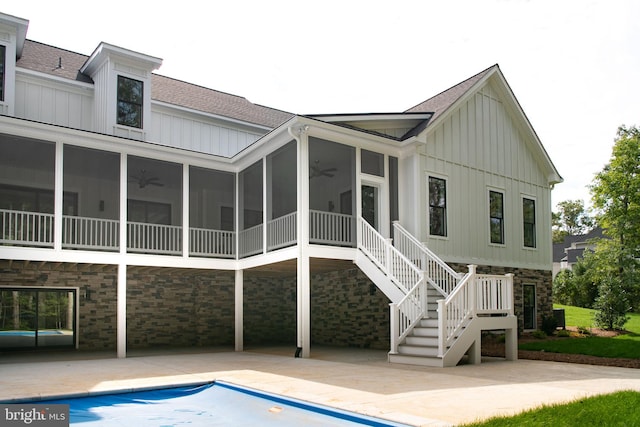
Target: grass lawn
(616, 409)
(583, 317)
(625, 345)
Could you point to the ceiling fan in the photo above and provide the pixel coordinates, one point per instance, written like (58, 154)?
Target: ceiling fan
(143, 179)
(316, 171)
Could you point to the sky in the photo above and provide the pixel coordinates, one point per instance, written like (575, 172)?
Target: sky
(573, 65)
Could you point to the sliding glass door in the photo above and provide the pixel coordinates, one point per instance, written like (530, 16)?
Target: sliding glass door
(37, 318)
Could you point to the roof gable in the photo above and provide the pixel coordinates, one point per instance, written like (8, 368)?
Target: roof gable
(446, 102)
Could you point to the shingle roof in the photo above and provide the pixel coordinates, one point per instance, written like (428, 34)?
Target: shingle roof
(63, 63)
(211, 101)
(441, 102)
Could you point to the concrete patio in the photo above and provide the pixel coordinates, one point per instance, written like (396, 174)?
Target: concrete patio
(351, 379)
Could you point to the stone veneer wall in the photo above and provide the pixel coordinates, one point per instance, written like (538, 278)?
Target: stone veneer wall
(97, 315)
(542, 279)
(181, 308)
(347, 309)
(269, 310)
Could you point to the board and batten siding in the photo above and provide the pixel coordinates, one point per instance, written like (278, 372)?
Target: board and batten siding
(479, 148)
(53, 102)
(188, 132)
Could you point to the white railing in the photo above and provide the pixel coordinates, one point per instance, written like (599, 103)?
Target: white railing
(437, 272)
(477, 294)
(281, 231)
(407, 313)
(494, 294)
(331, 228)
(216, 243)
(154, 238)
(404, 274)
(90, 233)
(250, 241)
(455, 313)
(20, 228)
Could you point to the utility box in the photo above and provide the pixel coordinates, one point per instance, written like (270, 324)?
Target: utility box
(558, 314)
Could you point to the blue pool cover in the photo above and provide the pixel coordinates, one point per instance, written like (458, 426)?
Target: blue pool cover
(212, 404)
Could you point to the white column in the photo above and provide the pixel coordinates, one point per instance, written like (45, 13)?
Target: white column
(239, 311)
(185, 211)
(121, 297)
(121, 310)
(58, 196)
(303, 292)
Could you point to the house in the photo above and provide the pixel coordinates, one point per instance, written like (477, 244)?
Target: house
(567, 253)
(138, 210)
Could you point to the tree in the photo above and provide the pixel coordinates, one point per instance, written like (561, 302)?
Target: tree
(571, 219)
(616, 196)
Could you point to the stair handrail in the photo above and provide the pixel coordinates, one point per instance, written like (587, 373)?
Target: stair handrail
(402, 272)
(456, 311)
(438, 273)
(407, 313)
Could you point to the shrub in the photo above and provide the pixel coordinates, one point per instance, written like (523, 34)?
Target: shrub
(538, 334)
(563, 333)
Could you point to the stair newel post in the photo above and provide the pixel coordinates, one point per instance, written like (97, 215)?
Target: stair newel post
(393, 319)
(510, 292)
(388, 243)
(473, 290)
(424, 303)
(442, 330)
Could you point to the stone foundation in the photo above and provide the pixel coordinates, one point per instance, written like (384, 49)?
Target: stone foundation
(180, 308)
(347, 309)
(542, 279)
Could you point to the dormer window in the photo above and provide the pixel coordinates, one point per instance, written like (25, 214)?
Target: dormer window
(130, 99)
(3, 60)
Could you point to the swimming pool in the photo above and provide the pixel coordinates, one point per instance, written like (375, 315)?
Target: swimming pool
(211, 404)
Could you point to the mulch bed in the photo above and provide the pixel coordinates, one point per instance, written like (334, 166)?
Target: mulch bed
(492, 347)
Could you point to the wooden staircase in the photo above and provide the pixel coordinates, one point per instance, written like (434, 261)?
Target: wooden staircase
(437, 315)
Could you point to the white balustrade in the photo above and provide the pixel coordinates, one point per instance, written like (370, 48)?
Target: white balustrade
(250, 241)
(216, 243)
(90, 233)
(154, 238)
(26, 228)
(331, 228)
(281, 232)
(438, 273)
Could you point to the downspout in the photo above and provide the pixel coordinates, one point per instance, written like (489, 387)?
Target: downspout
(303, 275)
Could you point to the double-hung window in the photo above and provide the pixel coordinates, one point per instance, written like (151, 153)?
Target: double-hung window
(529, 222)
(496, 217)
(437, 206)
(130, 98)
(3, 66)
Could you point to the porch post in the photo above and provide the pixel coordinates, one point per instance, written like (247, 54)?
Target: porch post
(185, 211)
(303, 275)
(121, 310)
(239, 313)
(58, 199)
(121, 288)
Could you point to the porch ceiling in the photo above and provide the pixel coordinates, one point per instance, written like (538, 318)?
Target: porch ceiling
(284, 268)
(289, 267)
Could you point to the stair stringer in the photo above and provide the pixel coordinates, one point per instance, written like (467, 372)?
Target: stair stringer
(469, 341)
(378, 277)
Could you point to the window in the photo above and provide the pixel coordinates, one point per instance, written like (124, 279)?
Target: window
(437, 206)
(372, 163)
(496, 217)
(529, 222)
(129, 102)
(3, 61)
(529, 306)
